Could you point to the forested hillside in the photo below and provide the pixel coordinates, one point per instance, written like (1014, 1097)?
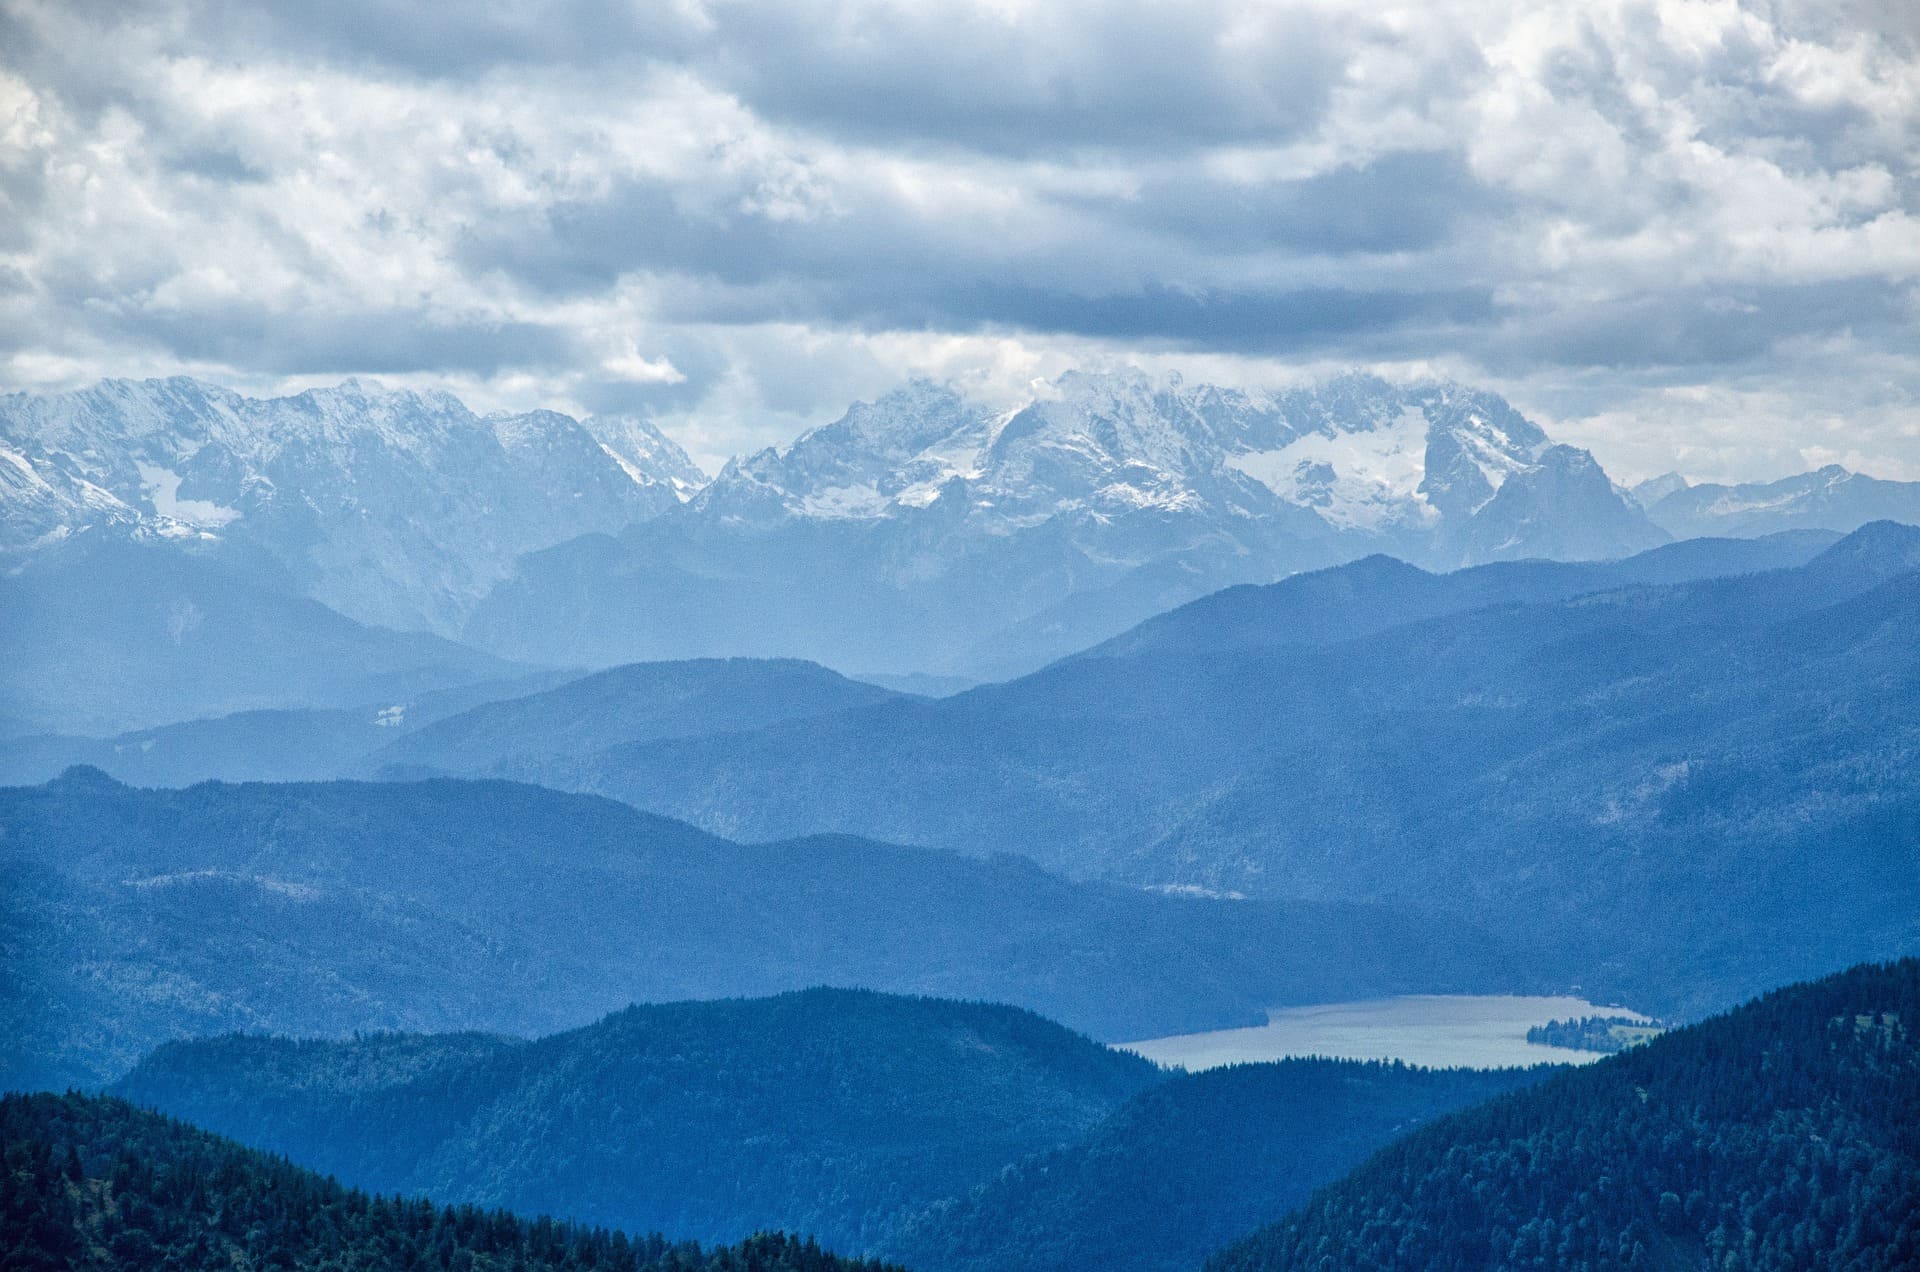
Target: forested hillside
(90, 1185)
(1783, 1135)
(1185, 1166)
(826, 1112)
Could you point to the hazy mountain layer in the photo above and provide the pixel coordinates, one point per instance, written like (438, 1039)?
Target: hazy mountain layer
(133, 916)
(1830, 499)
(266, 745)
(104, 635)
(1706, 757)
(644, 702)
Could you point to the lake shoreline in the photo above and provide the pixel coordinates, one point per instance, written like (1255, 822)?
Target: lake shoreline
(1440, 1031)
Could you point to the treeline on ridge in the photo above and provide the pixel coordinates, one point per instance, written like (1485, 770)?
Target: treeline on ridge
(90, 1182)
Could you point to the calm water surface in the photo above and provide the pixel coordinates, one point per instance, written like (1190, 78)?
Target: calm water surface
(1449, 1031)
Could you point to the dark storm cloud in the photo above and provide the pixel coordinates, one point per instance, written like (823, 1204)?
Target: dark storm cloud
(1273, 322)
(1396, 203)
(1046, 78)
(455, 41)
(886, 269)
(1029, 79)
(395, 341)
(1698, 327)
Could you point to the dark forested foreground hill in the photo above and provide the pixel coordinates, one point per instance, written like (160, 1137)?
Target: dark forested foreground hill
(128, 917)
(1186, 1166)
(1678, 794)
(90, 1184)
(1784, 1135)
(951, 1137)
(825, 1112)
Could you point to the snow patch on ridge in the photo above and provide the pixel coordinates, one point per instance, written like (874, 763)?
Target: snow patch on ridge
(162, 488)
(844, 502)
(1365, 479)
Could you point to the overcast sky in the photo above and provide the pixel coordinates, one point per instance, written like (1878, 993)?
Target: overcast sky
(1684, 234)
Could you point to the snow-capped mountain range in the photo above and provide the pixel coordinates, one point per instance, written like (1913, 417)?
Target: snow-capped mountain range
(1829, 498)
(923, 531)
(926, 530)
(1399, 469)
(397, 508)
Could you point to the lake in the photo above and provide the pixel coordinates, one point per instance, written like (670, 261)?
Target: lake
(1441, 1031)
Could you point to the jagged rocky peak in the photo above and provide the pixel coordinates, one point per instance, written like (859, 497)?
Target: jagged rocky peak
(648, 456)
(1563, 506)
(357, 406)
(894, 452)
(1829, 498)
(1654, 489)
(1363, 456)
(397, 506)
(905, 421)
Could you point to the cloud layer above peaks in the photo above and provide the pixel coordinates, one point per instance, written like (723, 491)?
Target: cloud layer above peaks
(1687, 232)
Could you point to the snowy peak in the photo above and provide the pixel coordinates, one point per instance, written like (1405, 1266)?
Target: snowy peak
(1654, 489)
(1355, 461)
(1475, 442)
(647, 456)
(397, 507)
(1829, 498)
(882, 456)
(1563, 507)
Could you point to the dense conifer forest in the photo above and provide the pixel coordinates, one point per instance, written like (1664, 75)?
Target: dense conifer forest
(92, 1183)
(1605, 1034)
(826, 1112)
(1784, 1135)
(1186, 1166)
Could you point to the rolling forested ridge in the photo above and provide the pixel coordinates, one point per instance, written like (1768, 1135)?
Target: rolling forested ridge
(90, 1183)
(938, 1134)
(1783, 1135)
(822, 1112)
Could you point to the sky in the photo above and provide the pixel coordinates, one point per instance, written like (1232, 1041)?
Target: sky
(1682, 233)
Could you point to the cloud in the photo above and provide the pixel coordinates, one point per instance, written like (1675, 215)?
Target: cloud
(556, 201)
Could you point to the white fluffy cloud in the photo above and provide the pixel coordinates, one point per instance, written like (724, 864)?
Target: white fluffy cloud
(1685, 231)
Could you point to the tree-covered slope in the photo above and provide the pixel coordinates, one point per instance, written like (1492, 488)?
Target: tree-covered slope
(825, 1112)
(89, 1184)
(134, 916)
(1783, 1135)
(1185, 1166)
